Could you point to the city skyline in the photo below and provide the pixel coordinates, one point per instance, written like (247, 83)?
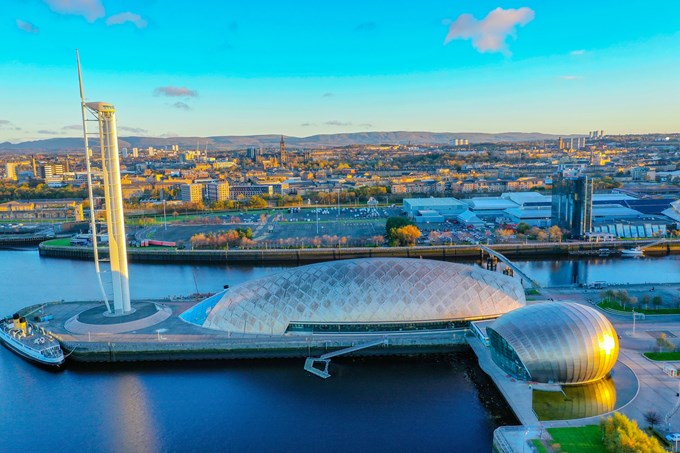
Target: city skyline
(308, 69)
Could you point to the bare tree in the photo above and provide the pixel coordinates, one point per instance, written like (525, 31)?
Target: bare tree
(652, 417)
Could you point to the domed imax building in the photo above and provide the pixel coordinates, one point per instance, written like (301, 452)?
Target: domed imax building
(554, 342)
(361, 295)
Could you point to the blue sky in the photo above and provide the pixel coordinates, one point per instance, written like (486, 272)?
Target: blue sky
(306, 67)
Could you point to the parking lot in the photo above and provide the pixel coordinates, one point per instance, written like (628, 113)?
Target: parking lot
(325, 226)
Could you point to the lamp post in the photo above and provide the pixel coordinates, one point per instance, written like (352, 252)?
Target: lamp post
(317, 216)
(633, 322)
(165, 218)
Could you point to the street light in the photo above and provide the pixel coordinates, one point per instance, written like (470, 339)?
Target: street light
(165, 218)
(633, 322)
(317, 216)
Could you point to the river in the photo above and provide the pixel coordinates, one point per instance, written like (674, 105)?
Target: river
(442, 403)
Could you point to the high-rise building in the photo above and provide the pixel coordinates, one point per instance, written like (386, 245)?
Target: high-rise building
(217, 191)
(283, 158)
(46, 171)
(11, 170)
(191, 193)
(572, 202)
(560, 143)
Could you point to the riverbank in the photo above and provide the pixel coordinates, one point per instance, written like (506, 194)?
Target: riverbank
(87, 336)
(312, 255)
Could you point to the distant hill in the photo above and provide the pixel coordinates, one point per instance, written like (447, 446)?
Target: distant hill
(271, 140)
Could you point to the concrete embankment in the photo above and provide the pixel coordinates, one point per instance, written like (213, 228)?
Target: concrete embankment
(301, 256)
(162, 350)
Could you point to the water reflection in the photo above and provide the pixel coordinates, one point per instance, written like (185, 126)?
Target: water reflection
(132, 415)
(588, 400)
(612, 270)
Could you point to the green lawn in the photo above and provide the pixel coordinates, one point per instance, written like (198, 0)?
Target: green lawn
(584, 439)
(63, 242)
(619, 307)
(662, 356)
(538, 445)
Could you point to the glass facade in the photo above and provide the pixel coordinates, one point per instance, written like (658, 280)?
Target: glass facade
(555, 342)
(572, 204)
(350, 295)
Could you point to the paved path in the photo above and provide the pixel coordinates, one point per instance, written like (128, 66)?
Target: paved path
(517, 393)
(74, 325)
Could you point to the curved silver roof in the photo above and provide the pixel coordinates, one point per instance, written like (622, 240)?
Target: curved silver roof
(369, 290)
(557, 342)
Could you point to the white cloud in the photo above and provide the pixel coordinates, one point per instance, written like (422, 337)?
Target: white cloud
(73, 127)
(490, 34)
(27, 26)
(576, 53)
(122, 18)
(89, 9)
(570, 77)
(175, 92)
(338, 123)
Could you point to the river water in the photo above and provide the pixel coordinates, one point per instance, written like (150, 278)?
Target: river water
(442, 403)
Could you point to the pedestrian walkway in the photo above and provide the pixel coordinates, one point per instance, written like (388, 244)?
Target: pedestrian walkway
(518, 394)
(74, 325)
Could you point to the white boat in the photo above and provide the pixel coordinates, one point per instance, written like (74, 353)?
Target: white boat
(30, 341)
(637, 251)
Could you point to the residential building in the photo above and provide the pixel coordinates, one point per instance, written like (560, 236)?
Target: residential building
(191, 193)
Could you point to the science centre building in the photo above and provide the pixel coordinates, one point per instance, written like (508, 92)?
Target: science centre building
(561, 343)
(554, 342)
(361, 296)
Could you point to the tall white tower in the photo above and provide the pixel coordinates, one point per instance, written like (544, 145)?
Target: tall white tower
(108, 141)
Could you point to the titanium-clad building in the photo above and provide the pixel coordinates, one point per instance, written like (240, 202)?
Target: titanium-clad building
(554, 342)
(361, 295)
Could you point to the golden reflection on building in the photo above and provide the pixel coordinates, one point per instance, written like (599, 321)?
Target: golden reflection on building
(575, 401)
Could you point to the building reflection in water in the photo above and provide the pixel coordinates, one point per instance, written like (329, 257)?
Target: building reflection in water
(575, 401)
(132, 418)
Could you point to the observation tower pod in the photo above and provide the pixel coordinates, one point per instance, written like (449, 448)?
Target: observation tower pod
(108, 142)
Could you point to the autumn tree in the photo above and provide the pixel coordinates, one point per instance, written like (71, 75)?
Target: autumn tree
(622, 435)
(406, 235)
(555, 234)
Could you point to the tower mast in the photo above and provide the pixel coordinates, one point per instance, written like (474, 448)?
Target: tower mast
(105, 115)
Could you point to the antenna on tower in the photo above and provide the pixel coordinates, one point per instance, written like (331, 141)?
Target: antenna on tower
(93, 221)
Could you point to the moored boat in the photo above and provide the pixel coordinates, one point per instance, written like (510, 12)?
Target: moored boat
(30, 341)
(637, 251)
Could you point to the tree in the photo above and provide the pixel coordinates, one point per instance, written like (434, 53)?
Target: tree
(652, 417)
(396, 222)
(645, 300)
(257, 202)
(555, 234)
(522, 227)
(406, 235)
(662, 342)
(657, 301)
(622, 435)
